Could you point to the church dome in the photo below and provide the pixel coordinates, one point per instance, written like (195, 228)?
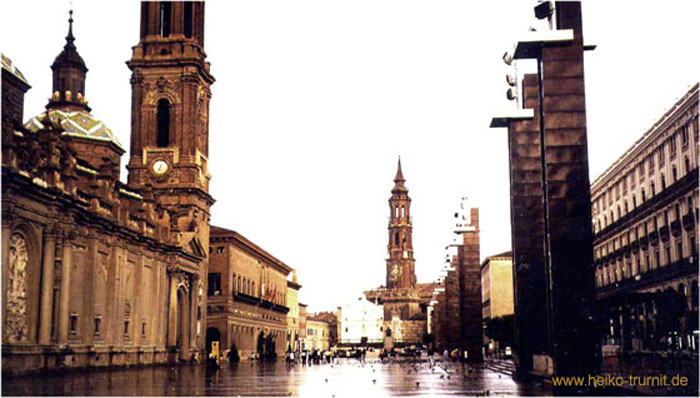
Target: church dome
(76, 123)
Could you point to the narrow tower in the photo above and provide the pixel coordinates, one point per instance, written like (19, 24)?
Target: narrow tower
(169, 149)
(170, 114)
(400, 266)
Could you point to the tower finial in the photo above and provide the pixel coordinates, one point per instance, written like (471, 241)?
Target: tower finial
(70, 39)
(399, 174)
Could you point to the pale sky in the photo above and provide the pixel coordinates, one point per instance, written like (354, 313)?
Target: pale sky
(315, 100)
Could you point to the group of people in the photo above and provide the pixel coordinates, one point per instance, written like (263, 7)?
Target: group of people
(313, 357)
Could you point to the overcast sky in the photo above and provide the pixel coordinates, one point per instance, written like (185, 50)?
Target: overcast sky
(315, 100)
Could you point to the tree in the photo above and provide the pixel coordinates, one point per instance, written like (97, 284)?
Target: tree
(501, 329)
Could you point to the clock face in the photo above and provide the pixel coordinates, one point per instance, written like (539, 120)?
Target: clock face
(160, 167)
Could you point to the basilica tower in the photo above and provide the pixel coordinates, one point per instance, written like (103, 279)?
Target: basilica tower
(170, 115)
(400, 266)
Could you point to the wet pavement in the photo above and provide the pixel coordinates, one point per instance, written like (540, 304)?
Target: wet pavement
(345, 378)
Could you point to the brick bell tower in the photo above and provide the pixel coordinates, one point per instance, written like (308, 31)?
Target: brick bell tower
(400, 266)
(170, 116)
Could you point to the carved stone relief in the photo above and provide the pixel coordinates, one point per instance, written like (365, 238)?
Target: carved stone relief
(16, 329)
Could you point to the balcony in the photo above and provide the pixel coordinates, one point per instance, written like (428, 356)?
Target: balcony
(262, 303)
(688, 222)
(683, 267)
(676, 227)
(644, 242)
(669, 194)
(245, 298)
(653, 237)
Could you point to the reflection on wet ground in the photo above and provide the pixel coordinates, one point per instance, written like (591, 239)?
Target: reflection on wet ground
(345, 378)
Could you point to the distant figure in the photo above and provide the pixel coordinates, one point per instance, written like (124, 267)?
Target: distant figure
(233, 354)
(445, 355)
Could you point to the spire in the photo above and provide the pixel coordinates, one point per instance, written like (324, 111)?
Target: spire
(399, 180)
(70, 39)
(399, 174)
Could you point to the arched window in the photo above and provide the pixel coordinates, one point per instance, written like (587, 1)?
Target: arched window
(396, 238)
(163, 138)
(165, 8)
(403, 212)
(396, 211)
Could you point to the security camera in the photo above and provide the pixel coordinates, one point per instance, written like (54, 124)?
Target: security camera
(510, 79)
(512, 93)
(507, 58)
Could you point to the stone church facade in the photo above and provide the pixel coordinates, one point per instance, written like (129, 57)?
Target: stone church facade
(96, 272)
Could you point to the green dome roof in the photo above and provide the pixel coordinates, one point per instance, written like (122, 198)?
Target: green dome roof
(76, 123)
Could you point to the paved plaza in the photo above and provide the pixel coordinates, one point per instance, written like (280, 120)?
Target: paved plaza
(345, 378)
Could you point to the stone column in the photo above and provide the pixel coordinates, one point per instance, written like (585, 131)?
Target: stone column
(172, 310)
(64, 293)
(46, 315)
(192, 321)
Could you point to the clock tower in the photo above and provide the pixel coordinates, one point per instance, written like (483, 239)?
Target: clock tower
(400, 266)
(170, 116)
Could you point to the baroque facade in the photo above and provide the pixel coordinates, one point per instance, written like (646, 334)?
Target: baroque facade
(97, 272)
(645, 216)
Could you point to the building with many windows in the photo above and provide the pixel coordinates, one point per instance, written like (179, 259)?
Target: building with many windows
(645, 216)
(317, 335)
(293, 342)
(496, 291)
(247, 295)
